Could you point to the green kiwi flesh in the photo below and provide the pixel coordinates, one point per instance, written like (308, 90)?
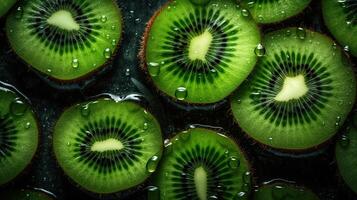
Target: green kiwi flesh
(107, 146)
(272, 11)
(341, 19)
(18, 134)
(25, 194)
(283, 191)
(202, 164)
(199, 53)
(299, 94)
(5, 6)
(346, 151)
(65, 39)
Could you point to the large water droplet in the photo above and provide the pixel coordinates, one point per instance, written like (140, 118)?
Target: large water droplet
(107, 53)
(245, 13)
(152, 164)
(154, 69)
(301, 33)
(18, 107)
(233, 162)
(181, 93)
(260, 50)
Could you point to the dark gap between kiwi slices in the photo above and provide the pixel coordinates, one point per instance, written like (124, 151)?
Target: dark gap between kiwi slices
(107, 146)
(341, 19)
(273, 11)
(200, 163)
(199, 53)
(299, 94)
(26, 194)
(5, 6)
(65, 40)
(19, 133)
(283, 191)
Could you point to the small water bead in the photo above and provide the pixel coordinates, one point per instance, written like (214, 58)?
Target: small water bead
(127, 72)
(75, 63)
(260, 50)
(146, 126)
(245, 13)
(49, 70)
(114, 42)
(18, 107)
(344, 141)
(85, 110)
(346, 48)
(113, 27)
(28, 125)
(103, 18)
(152, 164)
(233, 162)
(240, 195)
(247, 177)
(154, 69)
(137, 20)
(107, 53)
(153, 192)
(181, 93)
(338, 121)
(301, 33)
(19, 12)
(251, 4)
(213, 197)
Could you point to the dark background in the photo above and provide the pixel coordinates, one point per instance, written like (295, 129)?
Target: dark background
(316, 170)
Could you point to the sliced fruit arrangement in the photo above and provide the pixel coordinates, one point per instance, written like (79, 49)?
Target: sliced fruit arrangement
(107, 146)
(346, 151)
(283, 191)
(18, 134)
(300, 93)
(65, 39)
(341, 18)
(25, 194)
(272, 11)
(199, 51)
(202, 164)
(5, 6)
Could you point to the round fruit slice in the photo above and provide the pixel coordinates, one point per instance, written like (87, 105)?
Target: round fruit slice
(341, 18)
(199, 54)
(65, 40)
(202, 164)
(283, 191)
(25, 194)
(5, 6)
(346, 151)
(272, 11)
(107, 146)
(300, 92)
(18, 134)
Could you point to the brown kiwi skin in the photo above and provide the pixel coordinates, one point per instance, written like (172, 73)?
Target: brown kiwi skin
(124, 194)
(27, 169)
(291, 152)
(144, 67)
(100, 70)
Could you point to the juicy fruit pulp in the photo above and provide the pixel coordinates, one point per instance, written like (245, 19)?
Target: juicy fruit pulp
(300, 92)
(65, 39)
(5, 6)
(18, 135)
(199, 54)
(202, 164)
(107, 146)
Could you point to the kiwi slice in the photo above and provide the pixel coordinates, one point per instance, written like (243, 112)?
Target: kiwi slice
(25, 194)
(107, 146)
(346, 151)
(300, 93)
(199, 51)
(5, 6)
(202, 164)
(271, 11)
(341, 19)
(18, 134)
(283, 191)
(65, 39)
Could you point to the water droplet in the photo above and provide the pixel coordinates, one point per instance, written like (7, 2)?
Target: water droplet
(152, 164)
(27, 125)
(68, 144)
(49, 70)
(233, 162)
(114, 42)
(107, 53)
(113, 27)
(154, 69)
(153, 193)
(145, 127)
(239, 101)
(344, 141)
(260, 50)
(247, 177)
(240, 195)
(181, 93)
(18, 107)
(338, 121)
(245, 13)
(19, 12)
(251, 4)
(137, 20)
(213, 197)
(85, 110)
(75, 63)
(103, 18)
(127, 72)
(301, 33)
(346, 48)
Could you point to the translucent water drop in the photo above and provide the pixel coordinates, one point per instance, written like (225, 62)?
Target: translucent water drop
(75, 63)
(27, 125)
(137, 20)
(251, 4)
(152, 164)
(85, 110)
(246, 177)
(154, 69)
(68, 144)
(245, 13)
(338, 121)
(212, 197)
(301, 33)
(114, 42)
(145, 127)
(19, 12)
(346, 48)
(103, 18)
(260, 50)
(107, 53)
(240, 195)
(233, 162)
(153, 193)
(127, 72)
(239, 101)
(344, 141)
(181, 93)
(113, 27)
(49, 70)
(18, 107)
